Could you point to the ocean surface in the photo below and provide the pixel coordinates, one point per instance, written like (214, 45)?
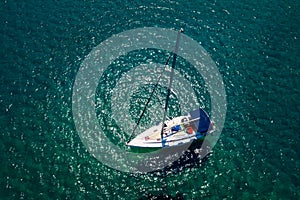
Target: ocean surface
(256, 48)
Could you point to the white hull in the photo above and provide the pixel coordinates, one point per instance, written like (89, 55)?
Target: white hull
(184, 133)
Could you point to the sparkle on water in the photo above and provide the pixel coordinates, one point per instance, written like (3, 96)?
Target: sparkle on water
(255, 45)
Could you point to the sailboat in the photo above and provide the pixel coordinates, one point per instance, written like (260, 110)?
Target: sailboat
(172, 132)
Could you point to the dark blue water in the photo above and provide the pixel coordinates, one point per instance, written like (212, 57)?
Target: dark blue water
(255, 46)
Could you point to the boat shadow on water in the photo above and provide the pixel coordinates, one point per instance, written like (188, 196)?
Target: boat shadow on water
(182, 157)
(178, 196)
(191, 158)
(195, 156)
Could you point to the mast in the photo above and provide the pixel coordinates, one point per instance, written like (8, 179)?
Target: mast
(170, 84)
(149, 99)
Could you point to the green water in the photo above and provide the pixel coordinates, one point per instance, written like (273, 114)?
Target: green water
(255, 45)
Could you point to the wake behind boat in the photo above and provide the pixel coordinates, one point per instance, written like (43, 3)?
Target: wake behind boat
(173, 132)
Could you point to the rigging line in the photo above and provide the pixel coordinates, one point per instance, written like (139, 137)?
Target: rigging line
(170, 82)
(149, 99)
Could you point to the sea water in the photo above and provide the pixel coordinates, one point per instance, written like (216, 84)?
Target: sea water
(255, 45)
